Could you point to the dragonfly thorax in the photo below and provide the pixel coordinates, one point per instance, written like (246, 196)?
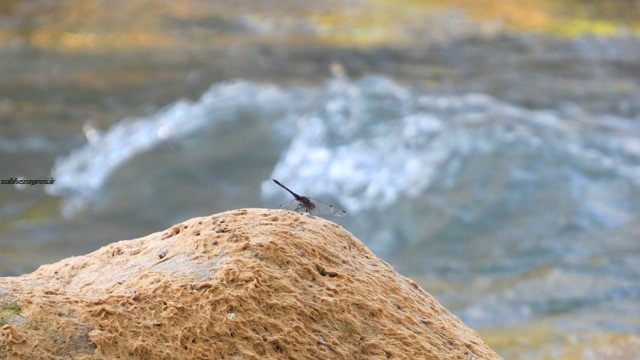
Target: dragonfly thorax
(306, 203)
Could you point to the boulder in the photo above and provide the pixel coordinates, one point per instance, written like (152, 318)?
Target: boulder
(244, 284)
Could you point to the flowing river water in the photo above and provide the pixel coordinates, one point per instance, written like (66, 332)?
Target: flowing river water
(491, 153)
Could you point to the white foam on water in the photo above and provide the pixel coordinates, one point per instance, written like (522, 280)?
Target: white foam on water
(81, 174)
(372, 144)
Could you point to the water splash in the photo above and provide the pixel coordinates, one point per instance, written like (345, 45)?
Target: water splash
(372, 144)
(81, 175)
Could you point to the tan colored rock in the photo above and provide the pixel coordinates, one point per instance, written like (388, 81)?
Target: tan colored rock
(244, 284)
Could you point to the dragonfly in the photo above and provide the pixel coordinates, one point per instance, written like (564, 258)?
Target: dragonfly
(305, 204)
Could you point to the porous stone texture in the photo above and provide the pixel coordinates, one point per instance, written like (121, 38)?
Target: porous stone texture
(244, 284)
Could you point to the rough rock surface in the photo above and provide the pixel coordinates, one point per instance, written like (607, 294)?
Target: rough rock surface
(244, 284)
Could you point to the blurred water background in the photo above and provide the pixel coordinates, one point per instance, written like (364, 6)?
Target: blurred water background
(488, 149)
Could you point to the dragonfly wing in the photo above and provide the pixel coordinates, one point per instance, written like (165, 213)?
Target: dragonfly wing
(327, 209)
(292, 205)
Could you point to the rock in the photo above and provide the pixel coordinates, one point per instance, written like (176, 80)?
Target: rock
(244, 284)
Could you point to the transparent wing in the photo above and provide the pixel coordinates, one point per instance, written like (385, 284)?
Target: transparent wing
(327, 209)
(320, 208)
(292, 205)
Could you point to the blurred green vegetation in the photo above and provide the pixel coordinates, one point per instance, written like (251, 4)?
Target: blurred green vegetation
(7, 311)
(99, 26)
